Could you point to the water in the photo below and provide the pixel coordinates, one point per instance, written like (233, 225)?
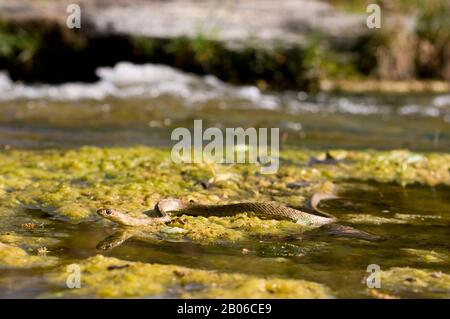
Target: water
(339, 263)
(142, 104)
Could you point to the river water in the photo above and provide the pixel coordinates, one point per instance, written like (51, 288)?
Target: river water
(133, 105)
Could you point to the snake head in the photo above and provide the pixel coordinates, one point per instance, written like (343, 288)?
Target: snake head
(105, 245)
(106, 213)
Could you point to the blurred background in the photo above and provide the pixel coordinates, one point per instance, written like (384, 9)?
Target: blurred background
(137, 69)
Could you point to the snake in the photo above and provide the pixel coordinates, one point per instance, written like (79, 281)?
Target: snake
(312, 216)
(124, 219)
(266, 210)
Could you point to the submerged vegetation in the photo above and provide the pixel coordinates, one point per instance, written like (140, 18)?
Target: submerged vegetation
(113, 278)
(395, 52)
(50, 193)
(78, 182)
(44, 191)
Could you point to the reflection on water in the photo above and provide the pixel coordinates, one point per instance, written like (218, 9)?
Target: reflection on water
(141, 105)
(340, 263)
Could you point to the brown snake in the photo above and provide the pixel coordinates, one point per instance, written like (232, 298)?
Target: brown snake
(267, 210)
(271, 210)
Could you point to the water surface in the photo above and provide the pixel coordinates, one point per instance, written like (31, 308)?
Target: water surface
(142, 104)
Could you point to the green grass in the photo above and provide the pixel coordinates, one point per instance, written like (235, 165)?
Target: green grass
(18, 44)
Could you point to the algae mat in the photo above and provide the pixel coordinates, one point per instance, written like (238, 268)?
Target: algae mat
(48, 201)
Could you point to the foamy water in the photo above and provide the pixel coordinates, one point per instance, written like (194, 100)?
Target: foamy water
(151, 81)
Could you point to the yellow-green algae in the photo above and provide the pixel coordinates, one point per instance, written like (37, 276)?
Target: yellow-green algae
(106, 277)
(410, 219)
(234, 228)
(401, 279)
(216, 230)
(15, 257)
(398, 166)
(73, 184)
(27, 242)
(427, 256)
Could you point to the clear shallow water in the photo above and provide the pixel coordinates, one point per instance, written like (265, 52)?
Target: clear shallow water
(134, 104)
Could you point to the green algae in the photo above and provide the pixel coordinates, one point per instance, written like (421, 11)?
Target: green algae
(211, 230)
(27, 242)
(77, 182)
(72, 185)
(416, 281)
(401, 166)
(410, 219)
(104, 277)
(427, 256)
(15, 257)
(234, 228)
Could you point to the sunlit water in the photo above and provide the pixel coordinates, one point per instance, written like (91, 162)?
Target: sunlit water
(133, 104)
(339, 263)
(142, 104)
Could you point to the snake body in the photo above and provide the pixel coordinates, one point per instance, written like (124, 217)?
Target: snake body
(266, 210)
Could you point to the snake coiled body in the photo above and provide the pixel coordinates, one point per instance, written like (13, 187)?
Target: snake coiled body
(265, 210)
